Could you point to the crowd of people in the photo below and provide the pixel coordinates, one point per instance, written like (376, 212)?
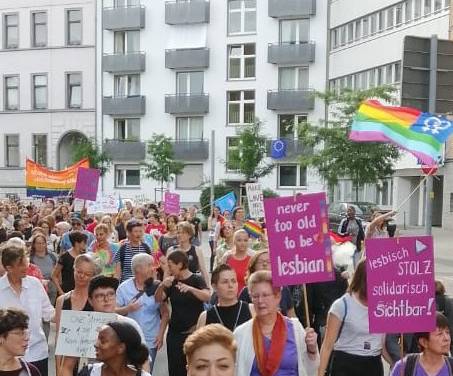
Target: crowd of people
(223, 317)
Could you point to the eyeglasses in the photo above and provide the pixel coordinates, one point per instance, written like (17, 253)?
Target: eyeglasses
(107, 296)
(20, 332)
(83, 274)
(257, 297)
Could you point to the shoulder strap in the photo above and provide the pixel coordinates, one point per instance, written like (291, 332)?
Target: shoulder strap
(408, 364)
(343, 319)
(449, 362)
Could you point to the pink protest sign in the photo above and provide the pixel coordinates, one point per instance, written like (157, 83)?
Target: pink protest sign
(171, 202)
(299, 243)
(87, 183)
(400, 284)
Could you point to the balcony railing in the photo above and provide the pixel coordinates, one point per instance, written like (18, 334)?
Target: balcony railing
(187, 103)
(186, 12)
(129, 62)
(130, 105)
(124, 18)
(291, 8)
(294, 148)
(187, 58)
(291, 100)
(291, 53)
(191, 150)
(125, 150)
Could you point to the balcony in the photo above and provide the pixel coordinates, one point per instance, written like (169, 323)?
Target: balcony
(132, 62)
(291, 100)
(294, 148)
(187, 104)
(289, 53)
(186, 12)
(187, 58)
(124, 18)
(191, 150)
(132, 105)
(291, 8)
(125, 150)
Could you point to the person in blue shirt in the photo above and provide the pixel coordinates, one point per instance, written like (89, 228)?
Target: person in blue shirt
(135, 299)
(76, 225)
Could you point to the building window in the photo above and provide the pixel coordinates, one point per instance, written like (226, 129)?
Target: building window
(297, 31)
(334, 39)
(39, 91)
(294, 78)
(12, 150)
(286, 125)
(241, 16)
(11, 31)
(232, 153)
(126, 41)
(126, 3)
(350, 32)
(241, 61)
(390, 18)
(397, 72)
(127, 85)
(189, 82)
(437, 5)
(39, 149)
(39, 29)
(74, 90)
(427, 7)
(399, 14)
(451, 202)
(241, 107)
(127, 176)
(189, 128)
(373, 23)
(292, 175)
(381, 24)
(358, 29)
(127, 129)
(191, 177)
(417, 9)
(408, 11)
(11, 93)
(365, 26)
(74, 27)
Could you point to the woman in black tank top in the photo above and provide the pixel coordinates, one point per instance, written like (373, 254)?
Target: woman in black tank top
(229, 311)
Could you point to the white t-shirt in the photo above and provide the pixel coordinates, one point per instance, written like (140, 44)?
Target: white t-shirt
(355, 337)
(97, 370)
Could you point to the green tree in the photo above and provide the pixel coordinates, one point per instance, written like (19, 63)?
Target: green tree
(88, 148)
(248, 158)
(160, 164)
(336, 156)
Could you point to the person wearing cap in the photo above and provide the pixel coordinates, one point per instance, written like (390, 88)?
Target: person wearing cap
(76, 225)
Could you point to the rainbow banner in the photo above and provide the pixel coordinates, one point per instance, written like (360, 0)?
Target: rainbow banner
(420, 133)
(42, 182)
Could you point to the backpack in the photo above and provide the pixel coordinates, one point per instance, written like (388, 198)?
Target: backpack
(410, 361)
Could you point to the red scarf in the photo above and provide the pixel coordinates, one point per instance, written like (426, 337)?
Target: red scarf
(269, 362)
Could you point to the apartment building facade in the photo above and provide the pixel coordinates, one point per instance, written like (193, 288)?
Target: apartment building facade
(47, 95)
(366, 44)
(185, 68)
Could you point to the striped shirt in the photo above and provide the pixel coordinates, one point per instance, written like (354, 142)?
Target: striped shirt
(124, 256)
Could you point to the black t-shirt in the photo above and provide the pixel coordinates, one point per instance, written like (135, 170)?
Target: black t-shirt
(231, 316)
(67, 272)
(185, 307)
(196, 223)
(33, 370)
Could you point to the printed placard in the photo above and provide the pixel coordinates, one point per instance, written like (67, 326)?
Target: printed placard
(171, 203)
(78, 332)
(299, 243)
(106, 204)
(400, 282)
(255, 200)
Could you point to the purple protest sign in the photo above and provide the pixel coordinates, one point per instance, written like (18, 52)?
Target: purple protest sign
(299, 243)
(171, 202)
(400, 284)
(87, 183)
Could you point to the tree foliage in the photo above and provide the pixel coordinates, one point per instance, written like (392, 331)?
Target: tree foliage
(249, 157)
(88, 148)
(335, 155)
(205, 197)
(160, 164)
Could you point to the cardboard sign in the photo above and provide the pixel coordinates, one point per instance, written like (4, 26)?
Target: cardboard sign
(299, 243)
(255, 200)
(171, 203)
(79, 331)
(87, 183)
(106, 204)
(400, 282)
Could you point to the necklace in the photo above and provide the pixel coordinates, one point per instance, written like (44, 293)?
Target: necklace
(237, 316)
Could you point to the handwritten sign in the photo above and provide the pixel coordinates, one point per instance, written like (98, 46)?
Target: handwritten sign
(104, 204)
(299, 243)
(400, 283)
(79, 331)
(87, 183)
(255, 200)
(171, 203)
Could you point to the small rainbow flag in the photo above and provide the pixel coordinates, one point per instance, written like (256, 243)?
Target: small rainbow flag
(420, 133)
(253, 229)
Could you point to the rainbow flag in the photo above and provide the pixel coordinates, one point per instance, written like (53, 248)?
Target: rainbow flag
(41, 181)
(253, 228)
(420, 133)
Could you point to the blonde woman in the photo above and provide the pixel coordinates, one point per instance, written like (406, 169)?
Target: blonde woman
(121, 221)
(112, 235)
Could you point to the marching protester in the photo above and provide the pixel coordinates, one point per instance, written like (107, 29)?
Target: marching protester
(352, 226)
(376, 228)
(196, 223)
(170, 238)
(270, 343)
(214, 220)
(187, 292)
(76, 225)
(229, 311)
(238, 218)
(225, 242)
(14, 341)
(210, 350)
(121, 221)
(112, 234)
(104, 250)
